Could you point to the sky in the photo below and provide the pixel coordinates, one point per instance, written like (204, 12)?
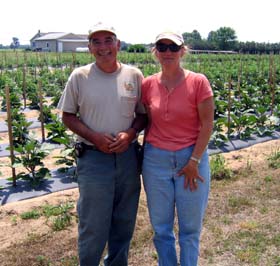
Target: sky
(140, 21)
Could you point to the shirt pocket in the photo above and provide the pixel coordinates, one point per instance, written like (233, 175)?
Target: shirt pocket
(128, 104)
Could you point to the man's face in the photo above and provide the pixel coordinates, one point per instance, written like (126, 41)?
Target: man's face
(104, 46)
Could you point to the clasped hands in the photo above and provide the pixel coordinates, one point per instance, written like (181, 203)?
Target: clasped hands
(119, 143)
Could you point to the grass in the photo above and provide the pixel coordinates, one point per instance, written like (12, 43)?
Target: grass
(58, 217)
(274, 159)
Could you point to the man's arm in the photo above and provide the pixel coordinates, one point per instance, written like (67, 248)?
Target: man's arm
(123, 139)
(100, 140)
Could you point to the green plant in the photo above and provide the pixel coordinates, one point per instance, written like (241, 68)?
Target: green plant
(31, 156)
(218, 137)
(274, 159)
(47, 114)
(59, 216)
(50, 210)
(237, 202)
(19, 127)
(57, 133)
(61, 222)
(218, 167)
(14, 220)
(43, 261)
(33, 214)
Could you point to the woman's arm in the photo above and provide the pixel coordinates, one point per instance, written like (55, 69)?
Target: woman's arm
(206, 117)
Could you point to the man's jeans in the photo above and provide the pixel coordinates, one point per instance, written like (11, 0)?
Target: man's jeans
(165, 191)
(109, 193)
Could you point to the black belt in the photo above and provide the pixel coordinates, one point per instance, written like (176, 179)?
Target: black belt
(92, 147)
(88, 147)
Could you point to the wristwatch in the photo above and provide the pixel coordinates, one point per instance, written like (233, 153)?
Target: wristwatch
(195, 159)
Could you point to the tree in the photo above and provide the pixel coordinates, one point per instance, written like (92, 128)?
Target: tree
(193, 39)
(15, 44)
(224, 38)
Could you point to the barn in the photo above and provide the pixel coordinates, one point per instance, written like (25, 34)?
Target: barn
(58, 42)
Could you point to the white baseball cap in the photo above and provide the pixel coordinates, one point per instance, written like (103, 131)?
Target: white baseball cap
(101, 27)
(175, 37)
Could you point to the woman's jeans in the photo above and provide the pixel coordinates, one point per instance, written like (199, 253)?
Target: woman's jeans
(165, 191)
(109, 187)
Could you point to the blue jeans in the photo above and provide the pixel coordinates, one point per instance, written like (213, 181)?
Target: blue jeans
(165, 192)
(109, 187)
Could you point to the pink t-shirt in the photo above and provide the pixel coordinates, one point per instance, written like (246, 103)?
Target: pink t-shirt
(174, 120)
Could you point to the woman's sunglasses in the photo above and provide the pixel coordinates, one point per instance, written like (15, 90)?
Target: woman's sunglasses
(162, 47)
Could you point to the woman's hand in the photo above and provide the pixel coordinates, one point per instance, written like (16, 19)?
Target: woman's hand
(191, 173)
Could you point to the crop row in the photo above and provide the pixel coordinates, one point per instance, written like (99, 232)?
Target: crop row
(246, 91)
(246, 87)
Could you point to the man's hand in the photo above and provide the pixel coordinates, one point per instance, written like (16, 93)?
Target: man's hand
(122, 141)
(103, 142)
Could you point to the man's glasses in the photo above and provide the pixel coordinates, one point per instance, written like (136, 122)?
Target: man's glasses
(108, 41)
(162, 47)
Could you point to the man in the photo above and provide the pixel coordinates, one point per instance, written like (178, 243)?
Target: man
(101, 104)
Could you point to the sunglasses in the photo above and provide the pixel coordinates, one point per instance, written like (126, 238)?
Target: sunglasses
(162, 47)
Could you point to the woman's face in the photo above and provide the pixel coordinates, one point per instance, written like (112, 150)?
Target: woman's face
(168, 53)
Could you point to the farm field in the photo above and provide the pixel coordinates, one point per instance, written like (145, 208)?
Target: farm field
(242, 221)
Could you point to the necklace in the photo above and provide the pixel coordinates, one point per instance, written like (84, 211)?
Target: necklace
(171, 81)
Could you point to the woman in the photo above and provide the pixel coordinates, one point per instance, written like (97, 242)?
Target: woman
(176, 170)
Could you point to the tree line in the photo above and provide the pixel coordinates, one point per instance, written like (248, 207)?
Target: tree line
(225, 39)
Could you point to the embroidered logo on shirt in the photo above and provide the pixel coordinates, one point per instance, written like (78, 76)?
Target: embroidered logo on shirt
(128, 86)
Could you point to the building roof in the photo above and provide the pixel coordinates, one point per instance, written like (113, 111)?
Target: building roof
(52, 36)
(73, 40)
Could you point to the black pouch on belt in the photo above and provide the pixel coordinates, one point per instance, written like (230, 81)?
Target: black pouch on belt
(79, 149)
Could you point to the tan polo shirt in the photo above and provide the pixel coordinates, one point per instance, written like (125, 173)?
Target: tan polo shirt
(105, 102)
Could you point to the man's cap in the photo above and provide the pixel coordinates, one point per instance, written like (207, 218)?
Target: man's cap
(101, 27)
(175, 37)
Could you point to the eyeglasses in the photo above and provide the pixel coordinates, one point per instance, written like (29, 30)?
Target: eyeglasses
(108, 41)
(162, 47)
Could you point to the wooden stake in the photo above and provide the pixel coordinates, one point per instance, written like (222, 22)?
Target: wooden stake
(9, 121)
(41, 111)
(229, 106)
(24, 86)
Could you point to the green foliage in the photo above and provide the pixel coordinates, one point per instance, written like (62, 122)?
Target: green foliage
(274, 159)
(47, 114)
(19, 127)
(14, 98)
(51, 210)
(137, 48)
(34, 214)
(59, 216)
(31, 156)
(218, 167)
(57, 133)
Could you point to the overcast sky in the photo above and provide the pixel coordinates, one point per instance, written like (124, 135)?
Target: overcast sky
(140, 21)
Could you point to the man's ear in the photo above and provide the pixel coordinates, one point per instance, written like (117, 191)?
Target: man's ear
(119, 45)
